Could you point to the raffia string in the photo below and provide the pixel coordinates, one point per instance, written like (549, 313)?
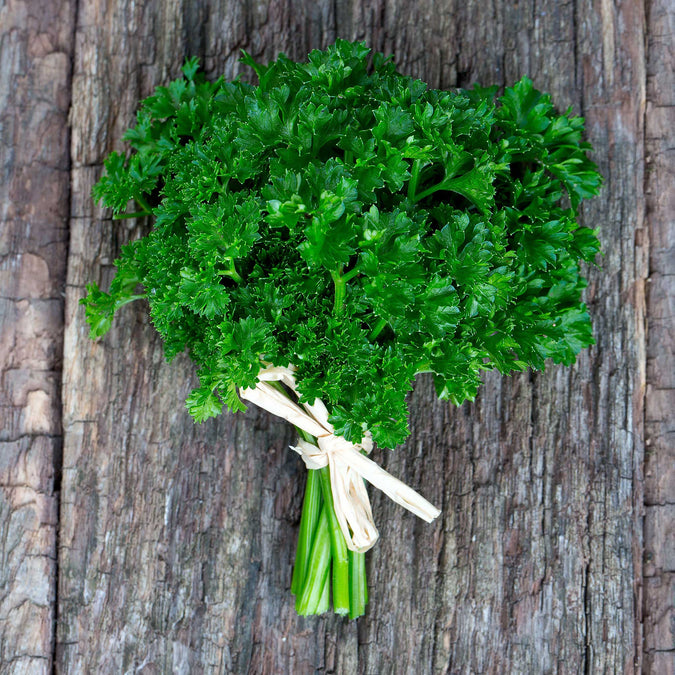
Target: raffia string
(348, 466)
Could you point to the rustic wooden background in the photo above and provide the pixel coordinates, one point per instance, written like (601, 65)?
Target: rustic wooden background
(132, 541)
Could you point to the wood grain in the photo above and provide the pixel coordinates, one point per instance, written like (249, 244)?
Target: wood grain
(35, 63)
(659, 554)
(177, 542)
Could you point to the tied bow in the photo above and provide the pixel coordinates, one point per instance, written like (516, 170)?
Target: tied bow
(348, 466)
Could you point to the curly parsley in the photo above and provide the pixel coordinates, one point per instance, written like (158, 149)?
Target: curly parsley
(351, 221)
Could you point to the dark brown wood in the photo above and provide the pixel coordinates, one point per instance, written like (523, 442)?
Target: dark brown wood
(659, 550)
(35, 64)
(176, 541)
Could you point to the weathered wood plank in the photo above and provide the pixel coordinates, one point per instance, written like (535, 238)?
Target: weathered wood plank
(612, 74)
(177, 543)
(35, 62)
(659, 555)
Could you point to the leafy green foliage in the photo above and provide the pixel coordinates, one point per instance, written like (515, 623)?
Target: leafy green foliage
(349, 220)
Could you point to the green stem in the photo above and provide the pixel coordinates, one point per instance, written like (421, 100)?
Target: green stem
(340, 291)
(232, 272)
(414, 179)
(358, 588)
(429, 191)
(309, 601)
(131, 298)
(311, 508)
(340, 280)
(339, 549)
(136, 214)
(235, 276)
(350, 275)
(141, 200)
(379, 327)
(321, 542)
(301, 432)
(324, 602)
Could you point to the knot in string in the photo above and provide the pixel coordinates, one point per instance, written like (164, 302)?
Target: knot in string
(347, 464)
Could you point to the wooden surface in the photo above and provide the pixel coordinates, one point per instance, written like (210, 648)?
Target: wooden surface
(175, 541)
(35, 65)
(659, 553)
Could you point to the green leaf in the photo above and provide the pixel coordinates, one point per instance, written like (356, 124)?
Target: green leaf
(203, 403)
(190, 68)
(393, 123)
(349, 220)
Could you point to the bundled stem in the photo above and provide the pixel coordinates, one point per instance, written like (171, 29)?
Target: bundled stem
(322, 546)
(339, 549)
(311, 509)
(310, 598)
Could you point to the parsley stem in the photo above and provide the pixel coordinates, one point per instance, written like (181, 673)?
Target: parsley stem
(414, 179)
(130, 298)
(340, 280)
(234, 275)
(321, 545)
(340, 291)
(350, 275)
(429, 191)
(379, 327)
(311, 581)
(136, 214)
(311, 509)
(339, 550)
(358, 588)
(232, 272)
(141, 200)
(309, 601)
(324, 601)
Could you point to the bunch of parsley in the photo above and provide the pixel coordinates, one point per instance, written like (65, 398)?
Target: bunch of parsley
(349, 220)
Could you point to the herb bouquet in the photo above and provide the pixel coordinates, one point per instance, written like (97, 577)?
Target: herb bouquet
(324, 236)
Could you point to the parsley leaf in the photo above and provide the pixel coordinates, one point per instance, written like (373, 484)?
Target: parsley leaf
(347, 219)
